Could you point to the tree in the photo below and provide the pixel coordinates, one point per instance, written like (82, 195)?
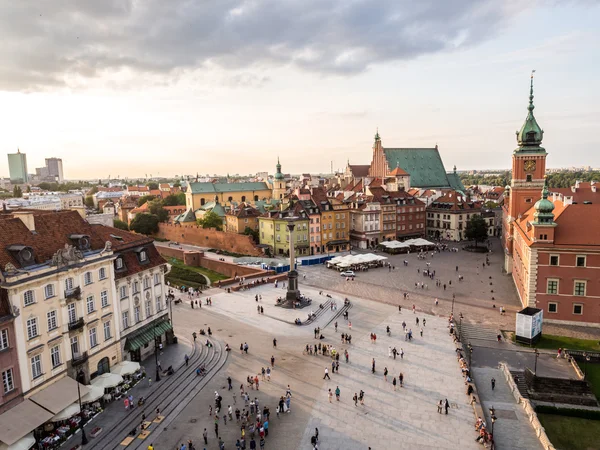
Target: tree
(156, 207)
(144, 224)
(17, 192)
(175, 199)
(476, 229)
(89, 201)
(254, 233)
(28, 188)
(152, 185)
(211, 220)
(177, 184)
(120, 225)
(144, 199)
(491, 204)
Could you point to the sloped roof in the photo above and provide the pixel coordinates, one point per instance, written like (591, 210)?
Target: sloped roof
(455, 182)
(244, 211)
(424, 165)
(359, 170)
(455, 201)
(187, 216)
(398, 172)
(214, 188)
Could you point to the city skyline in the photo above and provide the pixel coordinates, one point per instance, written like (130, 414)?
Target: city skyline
(194, 96)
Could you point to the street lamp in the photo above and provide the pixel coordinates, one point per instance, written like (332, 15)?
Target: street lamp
(493, 419)
(453, 295)
(537, 355)
(460, 318)
(585, 361)
(84, 439)
(156, 352)
(470, 348)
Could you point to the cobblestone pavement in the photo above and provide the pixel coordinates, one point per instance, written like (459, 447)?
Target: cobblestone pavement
(512, 429)
(429, 366)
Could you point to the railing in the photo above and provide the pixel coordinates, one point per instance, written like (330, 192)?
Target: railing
(73, 293)
(76, 324)
(79, 358)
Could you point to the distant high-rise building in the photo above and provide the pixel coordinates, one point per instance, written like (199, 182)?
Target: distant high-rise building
(17, 166)
(55, 168)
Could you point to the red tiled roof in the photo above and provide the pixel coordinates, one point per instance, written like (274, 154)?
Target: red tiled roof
(398, 172)
(360, 170)
(456, 202)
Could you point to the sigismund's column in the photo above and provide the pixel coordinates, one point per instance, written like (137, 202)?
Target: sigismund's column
(293, 294)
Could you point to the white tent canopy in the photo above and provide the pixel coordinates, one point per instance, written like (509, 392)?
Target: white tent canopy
(351, 260)
(107, 380)
(25, 443)
(125, 368)
(96, 392)
(67, 413)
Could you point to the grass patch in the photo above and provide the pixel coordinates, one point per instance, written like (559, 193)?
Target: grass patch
(158, 239)
(592, 374)
(571, 432)
(549, 341)
(226, 253)
(177, 282)
(210, 274)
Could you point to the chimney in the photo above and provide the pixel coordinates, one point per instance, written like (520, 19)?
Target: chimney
(27, 218)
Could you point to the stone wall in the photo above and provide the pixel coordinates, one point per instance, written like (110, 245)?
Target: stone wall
(208, 237)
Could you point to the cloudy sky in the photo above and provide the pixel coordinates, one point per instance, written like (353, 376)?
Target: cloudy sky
(135, 87)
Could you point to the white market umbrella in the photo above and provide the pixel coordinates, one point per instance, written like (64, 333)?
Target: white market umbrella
(67, 413)
(95, 393)
(25, 443)
(125, 368)
(107, 380)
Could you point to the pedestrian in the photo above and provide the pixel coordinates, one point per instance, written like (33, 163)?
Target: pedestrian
(274, 342)
(389, 351)
(288, 391)
(187, 359)
(205, 436)
(446, 406)
(493, 383)
(268, 374)
(417, 321)
(330, 395)
(439, 405)
(385, 372)
(361, 397)
(394, 382)
(326, 373)
(373, 366)
(272, 361)
(337, 393)
(401, 379)
(424, 321)
(355, 398)
(229, 383)
(421, 331)
(336, 326)
(401, 353)
(126, 402)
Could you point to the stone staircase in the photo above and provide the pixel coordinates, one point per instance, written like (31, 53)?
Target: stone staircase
(519, 379)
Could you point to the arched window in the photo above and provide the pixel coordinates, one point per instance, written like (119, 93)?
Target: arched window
(256, 198)
(243, 198)
(202, 201)
(229, 199)
(103, 366)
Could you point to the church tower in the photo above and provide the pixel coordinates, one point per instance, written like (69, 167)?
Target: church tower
(528, 164)
(379, 165)
(279, 188)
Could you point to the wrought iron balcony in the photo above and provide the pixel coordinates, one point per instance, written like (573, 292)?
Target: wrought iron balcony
(79, 323)
(73, 293)
(79, 358)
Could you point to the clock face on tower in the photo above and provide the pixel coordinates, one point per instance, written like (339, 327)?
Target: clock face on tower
(529, 166)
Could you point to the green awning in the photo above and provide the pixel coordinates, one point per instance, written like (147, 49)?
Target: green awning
(146, 334)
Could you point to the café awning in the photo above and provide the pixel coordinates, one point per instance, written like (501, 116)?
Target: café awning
(146, 334)
(21, 420)
(59, 395)
(25, 443)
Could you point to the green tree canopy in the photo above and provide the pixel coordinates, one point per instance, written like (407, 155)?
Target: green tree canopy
(120, 225)
(89, 201)
(156, 207)
(175, 199)
(144, 224)
(152, 185)
(254, 233)
(211, 220)
(476, 229)
(144, 199)
(17, 192)
(177, 184)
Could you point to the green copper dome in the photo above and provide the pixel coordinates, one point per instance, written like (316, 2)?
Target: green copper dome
(543, 209)
(531, 134)
(278, 174)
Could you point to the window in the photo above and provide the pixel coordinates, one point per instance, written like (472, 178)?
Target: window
(125, 318)
(136, 287)
(136, 312)
(143, 255)
(552, 307)
(580, 262)
(119, 263)
(69, 284)
(148, 308)
(93, 338)
(123, 291)
(55, 356)
(90, 304)
(36, 366)
(158, 304)
(87, 278)
(579, 288)
(52, 320)
(156, 278)
(104, 299)
(146, 282)
(75, 345)
(107, 335)
(72, 313)
(28, 298)
(102, 273)
(552, 287)
(528, 178)
(49, 291)
(577, 309)
(3, 339)
(32, 328)
(528, 200)
(8, 381)
(554, 260)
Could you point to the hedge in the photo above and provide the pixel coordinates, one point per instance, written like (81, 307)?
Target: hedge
(569, 412)
(176, 282)
(187, 275)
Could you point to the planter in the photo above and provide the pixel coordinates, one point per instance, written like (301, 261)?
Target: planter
(95, 432)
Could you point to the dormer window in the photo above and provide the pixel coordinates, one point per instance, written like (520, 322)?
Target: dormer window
(119, 263)
(23, 254)
(81, 241)
(143, 256)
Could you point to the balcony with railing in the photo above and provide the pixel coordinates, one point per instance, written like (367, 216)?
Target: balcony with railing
(76, 324)
(73, 293)
(79, 358)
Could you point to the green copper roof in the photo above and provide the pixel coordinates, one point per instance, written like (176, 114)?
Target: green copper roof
(530, 136)
(214, 188)
(278, 174)
(187, 216)
(424, 165)
(455, 182)
(543, 209)
(215, 207)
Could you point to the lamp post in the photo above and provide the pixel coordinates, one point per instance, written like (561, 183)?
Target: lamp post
(470, 348)
(586, 358)
(453, 295)
(84, 439)
(460, 317)
(493, 419)
(156, 352)
(537, 354)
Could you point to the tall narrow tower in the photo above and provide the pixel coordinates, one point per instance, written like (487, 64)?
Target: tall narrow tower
(279, 187)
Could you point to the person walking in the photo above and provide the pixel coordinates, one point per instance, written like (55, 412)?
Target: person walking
(272, 361)
(493, 383)
(446, 406)
(439, 405)
(205, 436)
(330, 395)
(336, 326)
(401, 379)
(394, 382)
(361, 397)
(187, 360)
(274, 342)
(401, 353)
(326, 373)
(385, 372)
(355, 398)
(337, 393)
(268, 374)
(373, 366)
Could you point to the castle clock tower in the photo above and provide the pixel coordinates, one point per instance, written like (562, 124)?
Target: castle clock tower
(528, 164)
(528, 176)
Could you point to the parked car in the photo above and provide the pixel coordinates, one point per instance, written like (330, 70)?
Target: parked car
(348, 273)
